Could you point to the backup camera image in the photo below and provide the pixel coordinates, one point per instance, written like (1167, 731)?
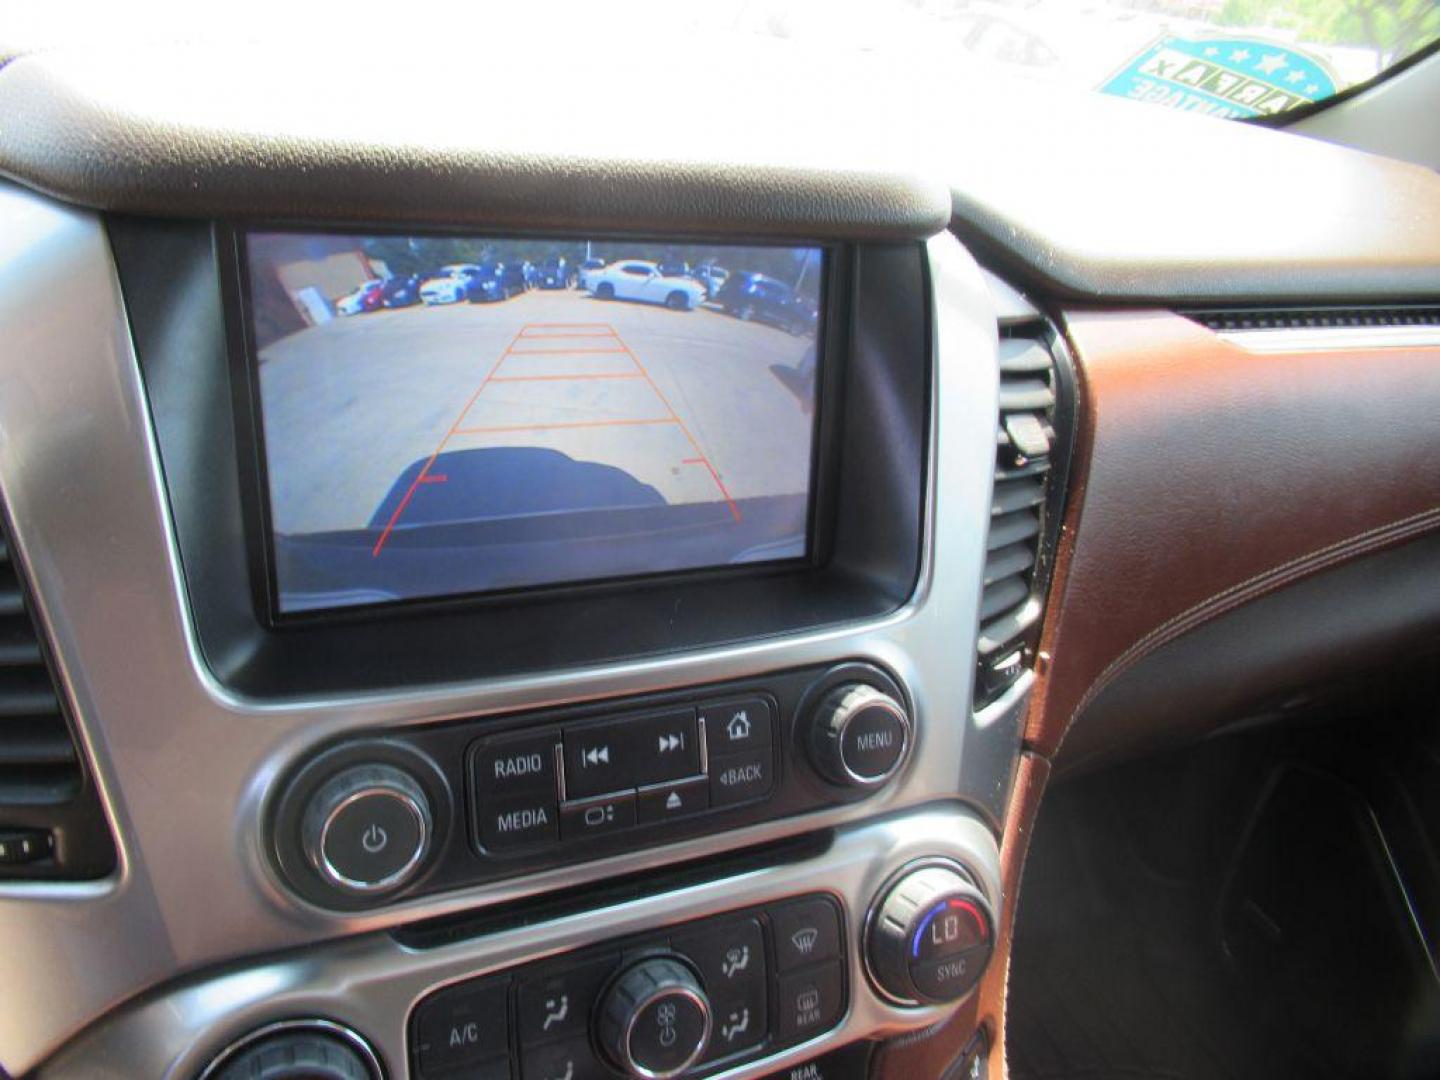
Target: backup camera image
(446, 415)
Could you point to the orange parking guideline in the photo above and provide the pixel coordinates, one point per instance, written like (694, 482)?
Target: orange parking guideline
(734, 510)
(420, 477)
(424, 476)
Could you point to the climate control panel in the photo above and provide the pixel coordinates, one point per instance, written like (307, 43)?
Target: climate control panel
(402, 813)
(692, 1000)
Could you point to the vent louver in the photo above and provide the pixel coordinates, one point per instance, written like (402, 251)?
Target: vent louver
(50, 821)
(1224, 320)
(1027, 451)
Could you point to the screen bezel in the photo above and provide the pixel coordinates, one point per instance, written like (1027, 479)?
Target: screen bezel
(831, 341)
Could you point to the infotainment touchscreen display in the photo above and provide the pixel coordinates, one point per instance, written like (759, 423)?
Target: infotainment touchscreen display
(445, 415)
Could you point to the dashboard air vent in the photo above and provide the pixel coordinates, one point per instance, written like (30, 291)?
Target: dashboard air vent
(1224, 320)
(1030, 449)
(50, 821)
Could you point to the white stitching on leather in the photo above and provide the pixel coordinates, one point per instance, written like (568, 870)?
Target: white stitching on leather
(1261, 583)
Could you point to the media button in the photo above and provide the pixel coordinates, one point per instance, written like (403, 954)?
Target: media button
(738, 778)
(522, 821)
(806, 932)
(599, 759)
(512, 765)
(670, 801)
(731, 726)
(667, 747)
(596, 817)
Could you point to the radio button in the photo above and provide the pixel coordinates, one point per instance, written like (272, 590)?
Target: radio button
(597, 816)
(806, 932)
(671, 801)
(738, 778)
(731, 726)
(667, 747)
(510, 766)
(599, 759)
(521, 821)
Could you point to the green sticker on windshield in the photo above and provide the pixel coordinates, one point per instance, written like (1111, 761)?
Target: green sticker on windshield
(1226, 77)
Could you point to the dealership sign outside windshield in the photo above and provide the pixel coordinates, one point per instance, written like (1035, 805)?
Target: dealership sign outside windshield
(1226, 77)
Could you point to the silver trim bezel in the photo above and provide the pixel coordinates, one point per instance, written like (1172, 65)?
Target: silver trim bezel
(329, 1027)
(185, 767)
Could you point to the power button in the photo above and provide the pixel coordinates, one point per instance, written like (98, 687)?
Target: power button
(367, 829)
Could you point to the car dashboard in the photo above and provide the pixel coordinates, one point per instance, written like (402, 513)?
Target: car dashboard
(666, 819)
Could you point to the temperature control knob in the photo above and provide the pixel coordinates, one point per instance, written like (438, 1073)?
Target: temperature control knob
(931, 934)
(655, 1019)
(858, 736)
(366, 830)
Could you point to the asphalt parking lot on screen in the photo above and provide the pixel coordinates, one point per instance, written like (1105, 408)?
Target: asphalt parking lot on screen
(689, 403)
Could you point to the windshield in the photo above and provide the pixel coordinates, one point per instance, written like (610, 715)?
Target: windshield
(1225, 58)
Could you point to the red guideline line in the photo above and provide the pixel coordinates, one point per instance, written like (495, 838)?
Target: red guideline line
(568, 352)
(420, 477)
(567, 378)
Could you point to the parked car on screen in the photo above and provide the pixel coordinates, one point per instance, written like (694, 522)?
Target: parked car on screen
(765, 299)
(497, 281)
(450, 284)
(634, 279)
(674, 268)
(557, 273)
(588, 270)
(365, 298)
(711, 276)
(401, 291)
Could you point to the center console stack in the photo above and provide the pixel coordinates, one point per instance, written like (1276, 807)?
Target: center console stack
(581, 629)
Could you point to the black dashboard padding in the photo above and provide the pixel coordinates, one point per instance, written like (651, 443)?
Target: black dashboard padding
(190, 132)
(1359, 616)
(1074, 195)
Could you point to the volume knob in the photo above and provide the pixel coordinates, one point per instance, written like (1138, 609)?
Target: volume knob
(859, 736)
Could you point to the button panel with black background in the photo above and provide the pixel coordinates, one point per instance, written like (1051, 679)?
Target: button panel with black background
(547, 1016)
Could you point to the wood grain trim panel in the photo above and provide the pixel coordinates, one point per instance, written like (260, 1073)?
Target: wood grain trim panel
(1206, 476)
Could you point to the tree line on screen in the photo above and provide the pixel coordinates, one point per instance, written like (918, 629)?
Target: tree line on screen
(423, 255)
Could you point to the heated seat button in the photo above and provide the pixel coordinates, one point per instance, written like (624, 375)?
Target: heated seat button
(669, 801)
(732, 726)
(599, 759)
(520, 822)
(806, 932)
(509, 766)
(810, 1001)
(557, 1004)
(597, 817)
(464, 1025)
(738, 778)
(666, 746)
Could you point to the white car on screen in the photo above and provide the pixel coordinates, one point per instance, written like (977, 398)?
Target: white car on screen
(634, 279)
(450, 284)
